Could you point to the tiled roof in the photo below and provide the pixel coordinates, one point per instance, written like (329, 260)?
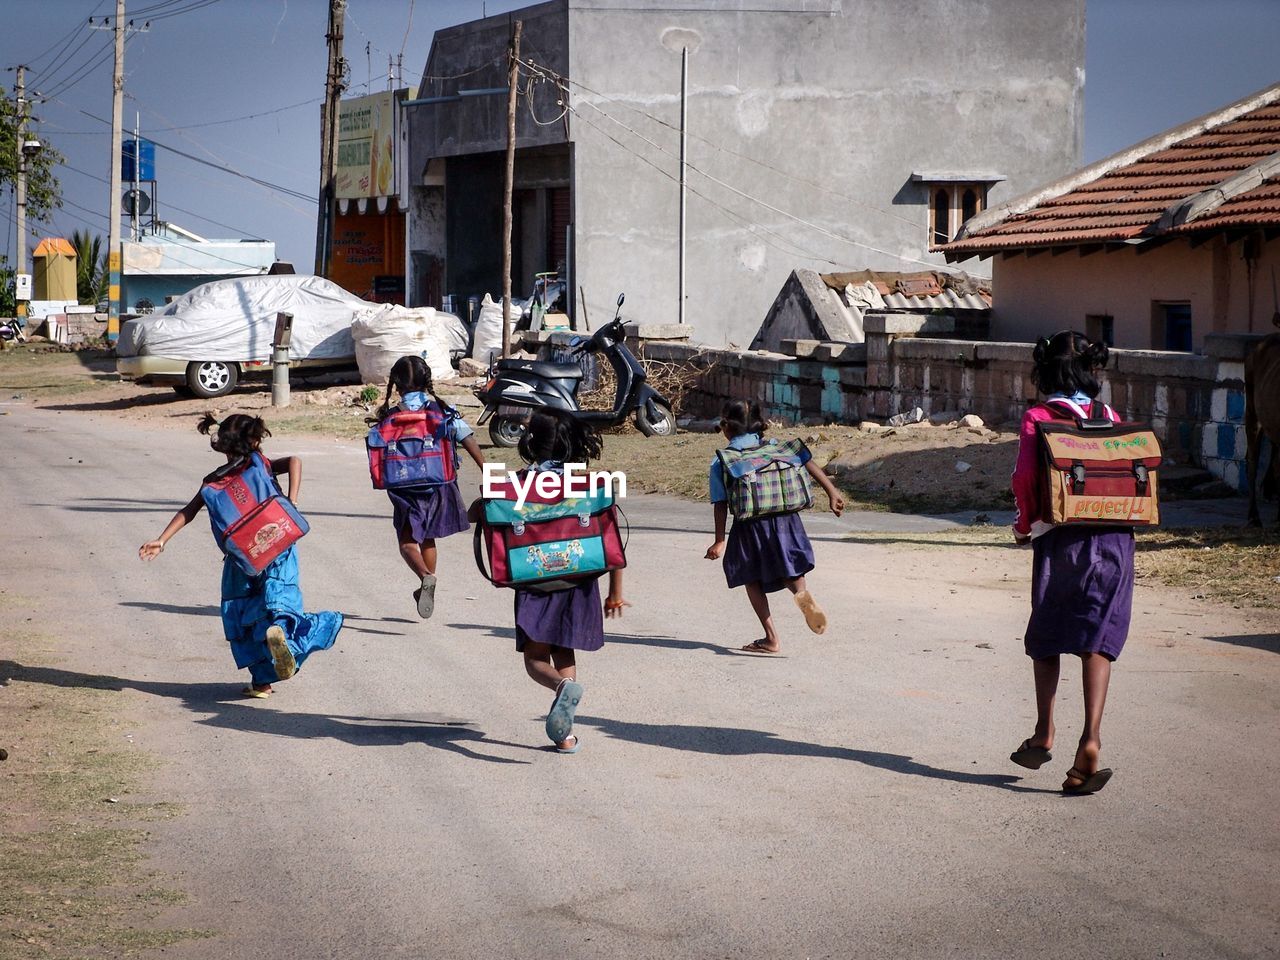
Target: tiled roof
(1176, 185)
(925, 290)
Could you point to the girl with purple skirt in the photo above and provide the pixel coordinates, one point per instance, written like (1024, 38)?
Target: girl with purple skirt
(552, 627)
(425, 514)
(262, 615)
(765, 554)
(1081, 576)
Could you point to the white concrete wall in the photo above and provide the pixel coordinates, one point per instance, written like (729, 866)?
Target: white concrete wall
(853, 96)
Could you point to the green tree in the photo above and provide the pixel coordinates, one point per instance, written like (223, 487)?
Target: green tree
(8, 305)
(91, 267)
(44, 193)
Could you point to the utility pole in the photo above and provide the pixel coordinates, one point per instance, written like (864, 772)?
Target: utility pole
(513, 76)
(21, 262)
(117, 145)
(329, 132)
(684, 146)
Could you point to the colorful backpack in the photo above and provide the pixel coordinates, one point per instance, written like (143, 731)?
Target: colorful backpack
(413, 448)
(768, 479)
(253, 522)
(552, 543)
(1099, 471)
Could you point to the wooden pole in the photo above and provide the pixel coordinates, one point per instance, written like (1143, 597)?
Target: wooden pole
(513, 76)
(117, 142)
(333, 88)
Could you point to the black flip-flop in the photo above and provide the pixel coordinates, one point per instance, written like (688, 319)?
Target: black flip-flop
(1033, 758)
(1088, 784)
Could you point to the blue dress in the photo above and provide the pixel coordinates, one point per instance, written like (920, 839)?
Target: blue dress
(273, 598)
(430, 512)
(767, 550)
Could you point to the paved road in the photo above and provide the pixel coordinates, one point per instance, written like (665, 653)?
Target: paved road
(851, 799)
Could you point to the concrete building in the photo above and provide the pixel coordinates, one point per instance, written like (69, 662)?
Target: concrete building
(171, 261)
(822, 134)
(1158, 247)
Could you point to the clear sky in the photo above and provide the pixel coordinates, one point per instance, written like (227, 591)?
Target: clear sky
(1150, 64)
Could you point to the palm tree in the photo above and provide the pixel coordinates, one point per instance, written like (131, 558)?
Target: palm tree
(91, 267)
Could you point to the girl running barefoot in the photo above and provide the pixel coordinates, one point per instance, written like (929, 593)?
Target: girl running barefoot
(768, 548)
(261, 613)
(1081, 576)
(422, 514)
(552, 627)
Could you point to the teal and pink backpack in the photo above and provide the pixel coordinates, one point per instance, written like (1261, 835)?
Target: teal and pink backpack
(253, 521)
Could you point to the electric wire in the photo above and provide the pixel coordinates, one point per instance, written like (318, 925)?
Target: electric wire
(165, 15)
(723, 149)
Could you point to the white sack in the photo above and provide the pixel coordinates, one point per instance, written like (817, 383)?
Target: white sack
(388, 332)
(235, 320)
(488, 336)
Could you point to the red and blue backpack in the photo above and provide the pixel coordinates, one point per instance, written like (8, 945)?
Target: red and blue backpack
(413, 448)
(253, 521)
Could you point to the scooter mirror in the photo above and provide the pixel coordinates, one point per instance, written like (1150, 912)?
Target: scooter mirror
(621, 297)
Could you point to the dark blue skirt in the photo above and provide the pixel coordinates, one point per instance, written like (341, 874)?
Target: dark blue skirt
(567, 618)
(1081, 591)
(771, 550)
(430, 512)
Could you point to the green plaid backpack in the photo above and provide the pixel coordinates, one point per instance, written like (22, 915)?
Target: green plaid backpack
(768, 479)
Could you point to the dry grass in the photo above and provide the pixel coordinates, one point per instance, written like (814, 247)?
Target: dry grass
(38, 372)
(72, 877)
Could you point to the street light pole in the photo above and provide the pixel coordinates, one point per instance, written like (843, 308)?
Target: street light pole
(20, 264)
(117, 143)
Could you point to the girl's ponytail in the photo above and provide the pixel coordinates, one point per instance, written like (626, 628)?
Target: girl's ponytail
(207, 423)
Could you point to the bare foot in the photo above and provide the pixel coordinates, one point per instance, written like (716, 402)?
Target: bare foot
(761, 646)
(1087, 756)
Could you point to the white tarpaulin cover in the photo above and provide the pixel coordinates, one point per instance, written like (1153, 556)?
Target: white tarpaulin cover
(385, 333)
(235, 319)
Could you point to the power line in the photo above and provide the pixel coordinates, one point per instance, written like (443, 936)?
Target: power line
(165, 15)
(720, 147)
(65, 39)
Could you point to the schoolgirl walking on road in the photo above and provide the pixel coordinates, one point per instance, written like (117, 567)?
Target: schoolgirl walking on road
(262, 615)
(1081, 576)
(768, 551)
(423, 514)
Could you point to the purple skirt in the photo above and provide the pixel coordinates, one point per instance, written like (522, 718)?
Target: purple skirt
(567, 618)
(771, 550)
(430, 512)
(1081, 592)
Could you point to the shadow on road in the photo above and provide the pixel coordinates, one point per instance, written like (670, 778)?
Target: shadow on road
(1260, 641)
(209, 610)
(668, 643)
(734, 742)
(228, 711)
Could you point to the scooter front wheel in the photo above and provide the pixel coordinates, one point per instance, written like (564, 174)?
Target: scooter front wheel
(505, 430)
(662, 425)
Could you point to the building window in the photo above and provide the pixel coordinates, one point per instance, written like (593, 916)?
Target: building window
(951, 203)
(940, 216)
(1100, 328)
(1171, 326)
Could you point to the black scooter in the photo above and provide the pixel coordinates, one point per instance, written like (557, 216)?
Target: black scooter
(518, 387)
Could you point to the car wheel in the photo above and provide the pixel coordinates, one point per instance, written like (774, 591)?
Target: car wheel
(505, 430)
(212, 378)
(662, 425)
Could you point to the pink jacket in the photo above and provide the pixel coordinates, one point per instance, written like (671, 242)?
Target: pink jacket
(1028, 473)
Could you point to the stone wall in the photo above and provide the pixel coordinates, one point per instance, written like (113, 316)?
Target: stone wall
(1195, 402)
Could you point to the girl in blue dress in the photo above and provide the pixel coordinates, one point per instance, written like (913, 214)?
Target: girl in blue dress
(764, 554)
(425, 514)
(262, 615)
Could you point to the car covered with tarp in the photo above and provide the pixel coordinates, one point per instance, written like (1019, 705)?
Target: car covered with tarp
(209, 339)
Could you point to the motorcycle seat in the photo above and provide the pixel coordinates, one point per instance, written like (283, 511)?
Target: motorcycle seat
(544, 368)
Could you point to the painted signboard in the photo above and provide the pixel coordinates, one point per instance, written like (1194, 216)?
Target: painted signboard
(366, 138)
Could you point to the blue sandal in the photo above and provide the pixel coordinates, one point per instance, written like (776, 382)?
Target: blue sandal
(563, 707)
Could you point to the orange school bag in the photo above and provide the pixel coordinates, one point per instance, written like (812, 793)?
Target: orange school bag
(1099, 471)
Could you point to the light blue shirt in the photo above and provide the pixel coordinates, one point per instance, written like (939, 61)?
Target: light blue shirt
(716, 479)
(457, 426)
